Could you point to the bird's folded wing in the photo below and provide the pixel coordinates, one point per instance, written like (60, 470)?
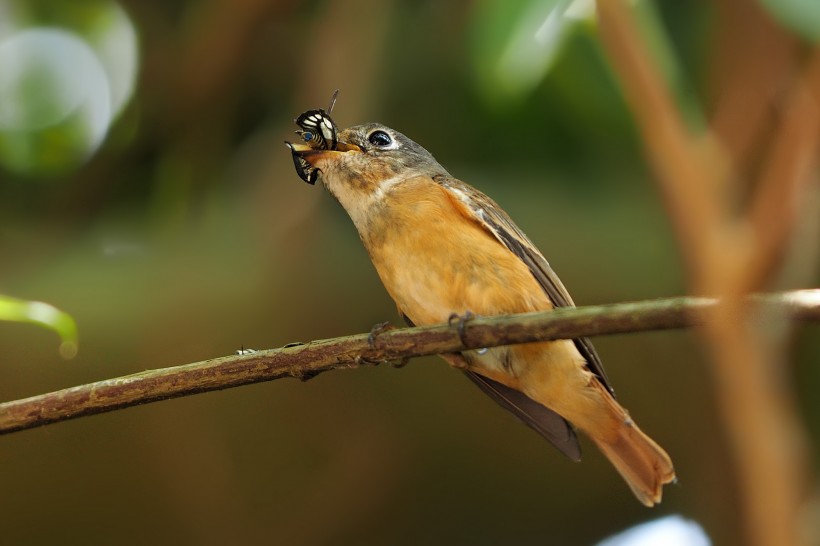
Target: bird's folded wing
(543, 420)
(491, 217)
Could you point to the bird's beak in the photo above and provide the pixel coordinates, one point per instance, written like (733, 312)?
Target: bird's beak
(307, 159)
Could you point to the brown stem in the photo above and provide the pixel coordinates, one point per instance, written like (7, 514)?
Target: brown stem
(307, 360)
(728, 254)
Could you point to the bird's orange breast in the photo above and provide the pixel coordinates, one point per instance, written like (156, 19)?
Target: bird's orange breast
(434, 260)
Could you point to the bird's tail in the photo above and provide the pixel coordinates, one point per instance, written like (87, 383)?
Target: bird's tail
(644, 465)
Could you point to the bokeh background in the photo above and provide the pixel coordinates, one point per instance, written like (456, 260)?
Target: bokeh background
(146, 192)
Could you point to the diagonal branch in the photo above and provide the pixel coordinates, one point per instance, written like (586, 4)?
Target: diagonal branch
(304, 361)
(729, 253)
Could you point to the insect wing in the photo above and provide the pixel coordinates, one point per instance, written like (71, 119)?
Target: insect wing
(328, 129)
(318, 129)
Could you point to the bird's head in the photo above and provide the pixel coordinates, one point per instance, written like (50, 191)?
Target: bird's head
(367, 160)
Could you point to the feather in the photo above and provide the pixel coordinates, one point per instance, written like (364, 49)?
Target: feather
(492, 218)
(543, 420)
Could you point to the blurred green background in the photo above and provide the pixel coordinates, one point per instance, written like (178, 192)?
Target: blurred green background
(145, 191)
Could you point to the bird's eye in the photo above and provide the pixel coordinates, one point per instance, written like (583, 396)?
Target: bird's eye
(380, 139)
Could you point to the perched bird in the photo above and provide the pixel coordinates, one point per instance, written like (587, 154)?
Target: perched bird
(441, 248)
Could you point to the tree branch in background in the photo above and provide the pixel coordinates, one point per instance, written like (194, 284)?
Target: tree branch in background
(304, 361)
(730, 250)
(790, 169)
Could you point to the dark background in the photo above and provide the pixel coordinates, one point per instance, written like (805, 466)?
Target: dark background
(186, 234)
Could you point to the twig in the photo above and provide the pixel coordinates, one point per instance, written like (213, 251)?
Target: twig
(729, 253)
(790, 169)
(684, 176)
(304, 361)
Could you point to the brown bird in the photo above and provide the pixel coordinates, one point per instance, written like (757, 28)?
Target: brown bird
(441, 248)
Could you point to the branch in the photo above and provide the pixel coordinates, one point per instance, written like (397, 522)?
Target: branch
(786, 177)
(730, 252)
(304, 361)
(684, 175)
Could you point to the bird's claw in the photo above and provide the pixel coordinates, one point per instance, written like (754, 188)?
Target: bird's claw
(401, 363)
(378, 329)
(461, 322)
(362, 360)
(375, 332)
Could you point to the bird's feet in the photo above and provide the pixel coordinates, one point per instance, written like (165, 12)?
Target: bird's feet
(460, 322)
(372, 337)
(377, 330)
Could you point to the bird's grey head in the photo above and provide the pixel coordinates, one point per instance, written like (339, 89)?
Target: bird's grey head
(368, 162)
(388, 152)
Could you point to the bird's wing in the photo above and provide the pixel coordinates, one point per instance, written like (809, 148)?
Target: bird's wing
(491, 217)
(543, 420)
(538, 417)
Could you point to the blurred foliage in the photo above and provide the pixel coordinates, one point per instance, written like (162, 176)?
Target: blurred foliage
(516, 43)
(65, 75)
(183, 233)
(801, 15)
(45, 315)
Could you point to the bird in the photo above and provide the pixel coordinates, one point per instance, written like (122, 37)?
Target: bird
(444, 249)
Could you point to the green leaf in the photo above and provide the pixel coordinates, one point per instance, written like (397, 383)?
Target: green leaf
(42, 314)
(801, 16)
(515, 43)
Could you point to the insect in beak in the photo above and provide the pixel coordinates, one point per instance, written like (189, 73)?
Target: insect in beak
(305, 170)
(317, 128)
(319, 133)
